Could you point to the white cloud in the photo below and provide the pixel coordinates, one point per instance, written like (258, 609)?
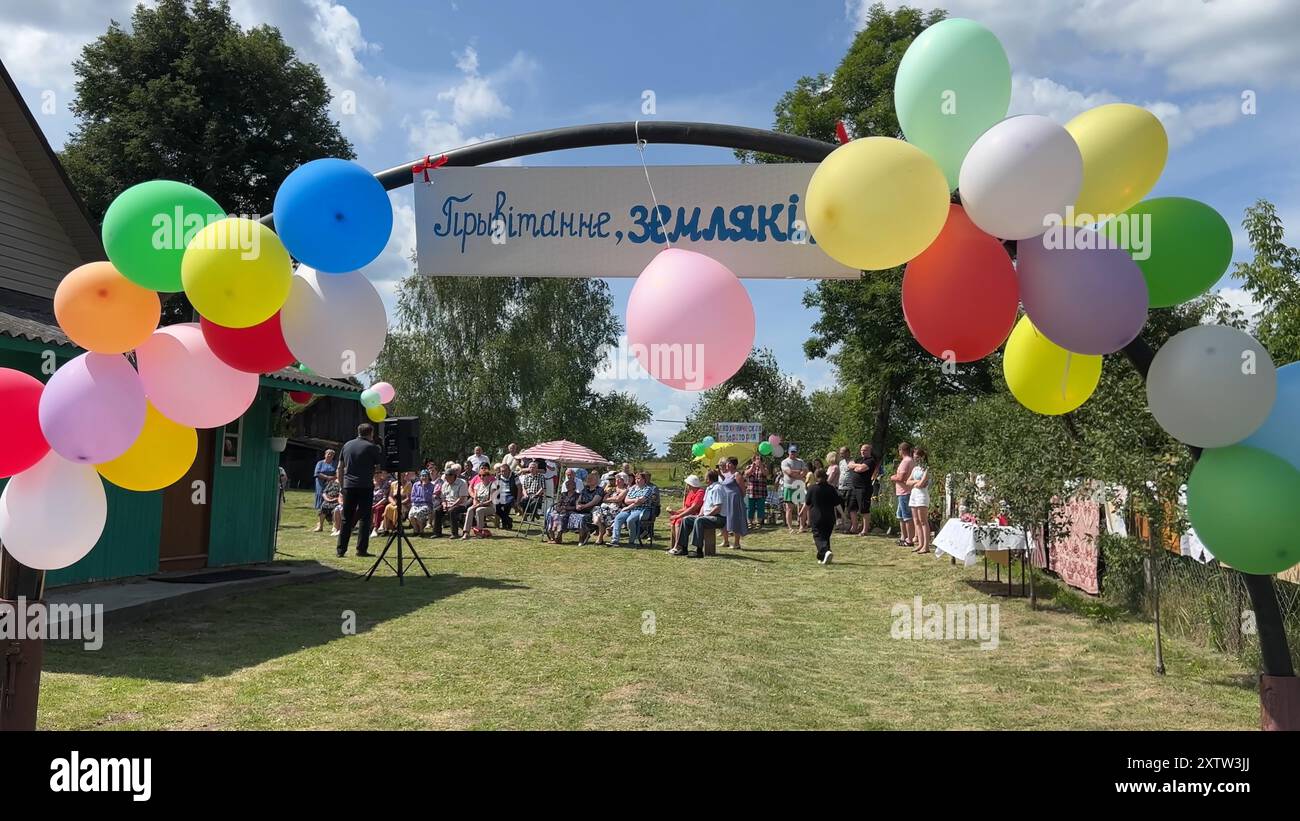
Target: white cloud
(467, 103)
(1247, 44)
(1183, 123)
(1238, 298)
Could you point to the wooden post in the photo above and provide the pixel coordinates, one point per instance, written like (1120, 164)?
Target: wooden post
(20, 659)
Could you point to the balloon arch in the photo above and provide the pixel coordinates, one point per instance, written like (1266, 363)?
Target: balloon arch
(948, 202)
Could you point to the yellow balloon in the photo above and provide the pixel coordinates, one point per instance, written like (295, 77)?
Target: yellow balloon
(1045, 377)
(876, 202)
(377, 414)
(1124, 148)
(159, 457)
(236, 272)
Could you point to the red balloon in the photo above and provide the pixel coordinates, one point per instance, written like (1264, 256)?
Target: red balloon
(257, 349)
(301, 397)
(960, 295)
(20, 399)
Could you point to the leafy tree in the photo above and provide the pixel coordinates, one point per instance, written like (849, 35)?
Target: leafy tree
(1272, 278)
(488, 361)
(188, 95)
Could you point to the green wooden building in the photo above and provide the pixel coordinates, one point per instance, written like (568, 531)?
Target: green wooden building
(221, 513)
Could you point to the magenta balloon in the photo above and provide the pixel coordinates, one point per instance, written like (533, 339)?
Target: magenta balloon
(690, 322)
(186, 381)
(92, 409)
(387, 393)
(1086, 299)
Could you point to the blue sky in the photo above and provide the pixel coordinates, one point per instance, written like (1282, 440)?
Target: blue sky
(428, 76)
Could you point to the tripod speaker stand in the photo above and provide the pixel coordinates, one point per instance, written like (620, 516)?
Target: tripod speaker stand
(399, 538)
(401, 436)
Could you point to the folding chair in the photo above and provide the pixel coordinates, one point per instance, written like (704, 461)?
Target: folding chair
(534, 507)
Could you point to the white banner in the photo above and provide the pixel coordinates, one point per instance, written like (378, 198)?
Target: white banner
(601, 221)
(738, 431)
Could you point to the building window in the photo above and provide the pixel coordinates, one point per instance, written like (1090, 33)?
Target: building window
(232, 443)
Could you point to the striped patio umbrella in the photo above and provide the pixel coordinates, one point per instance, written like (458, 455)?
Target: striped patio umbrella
(564, 452)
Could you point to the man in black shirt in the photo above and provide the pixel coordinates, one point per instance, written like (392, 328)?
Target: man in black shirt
(861, 472)
(357, 463)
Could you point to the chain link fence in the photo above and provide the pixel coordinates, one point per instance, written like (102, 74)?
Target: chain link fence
(1206, 603)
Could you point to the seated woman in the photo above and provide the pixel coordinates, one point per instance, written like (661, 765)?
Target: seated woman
(615, 493)
(421, 504)
(482, 500)
(391, 512)
(690, 507)
(557, 520)
(379, 503)
(589, 499)
(331, 506)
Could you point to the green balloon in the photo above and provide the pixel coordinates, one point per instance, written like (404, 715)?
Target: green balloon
(953, 83)
(765, 448)
(370, 398)
(1236, 497)
(698, 449)
(147, 227)
(1187, 246)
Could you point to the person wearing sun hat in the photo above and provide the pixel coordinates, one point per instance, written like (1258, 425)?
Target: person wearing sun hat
(690, 507)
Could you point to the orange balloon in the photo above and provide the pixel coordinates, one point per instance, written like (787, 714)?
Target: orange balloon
(103, 311)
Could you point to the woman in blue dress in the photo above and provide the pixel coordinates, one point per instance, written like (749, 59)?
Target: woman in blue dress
(733, 504)
(325, 472)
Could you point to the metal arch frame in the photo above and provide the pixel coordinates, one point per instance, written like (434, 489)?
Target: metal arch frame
(1275, 655)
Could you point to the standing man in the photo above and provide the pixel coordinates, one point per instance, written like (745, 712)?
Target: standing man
(861, 471)
(902, 492)
(511, 459)
(792, 470)
(326, 472)
(478, 460)
(356, 473)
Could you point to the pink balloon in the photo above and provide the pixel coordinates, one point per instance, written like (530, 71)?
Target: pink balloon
(386, 392)
(92, 409)
(186, 381)
(774, 440)
(690, 322)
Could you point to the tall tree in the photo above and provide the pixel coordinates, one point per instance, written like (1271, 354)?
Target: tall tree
(487, 361)
(861, 328)
(187, 94)
(1272, 278)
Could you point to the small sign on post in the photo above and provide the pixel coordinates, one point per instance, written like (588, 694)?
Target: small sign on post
(738, 431)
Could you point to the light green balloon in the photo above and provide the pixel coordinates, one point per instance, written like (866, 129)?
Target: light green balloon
(370, 398)
(147, 227)
(953, 83)
(1236, 499)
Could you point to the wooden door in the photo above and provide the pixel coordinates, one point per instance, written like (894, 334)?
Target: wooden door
(187, 512)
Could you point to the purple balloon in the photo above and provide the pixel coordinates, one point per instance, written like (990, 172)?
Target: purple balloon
(1085, 298)
(92, 409)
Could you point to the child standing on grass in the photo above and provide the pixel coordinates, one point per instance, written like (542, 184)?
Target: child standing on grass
(822, 503)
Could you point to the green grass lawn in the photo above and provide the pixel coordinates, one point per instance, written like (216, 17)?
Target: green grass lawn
(512, 633)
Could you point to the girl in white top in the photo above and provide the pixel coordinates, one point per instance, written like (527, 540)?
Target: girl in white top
(919, 500)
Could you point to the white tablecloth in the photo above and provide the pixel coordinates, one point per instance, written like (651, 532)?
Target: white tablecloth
(964, 541)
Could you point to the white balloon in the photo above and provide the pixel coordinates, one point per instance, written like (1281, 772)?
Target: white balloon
(334, 324)
(1019, 172)
(53, 513)
(1211, 386)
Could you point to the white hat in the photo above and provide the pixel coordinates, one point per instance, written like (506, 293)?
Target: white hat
(693, 481)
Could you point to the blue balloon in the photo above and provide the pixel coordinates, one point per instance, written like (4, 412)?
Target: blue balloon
(333, 215)
(1280, 433)
(370, 398)
(709, 441)
(580, 474)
